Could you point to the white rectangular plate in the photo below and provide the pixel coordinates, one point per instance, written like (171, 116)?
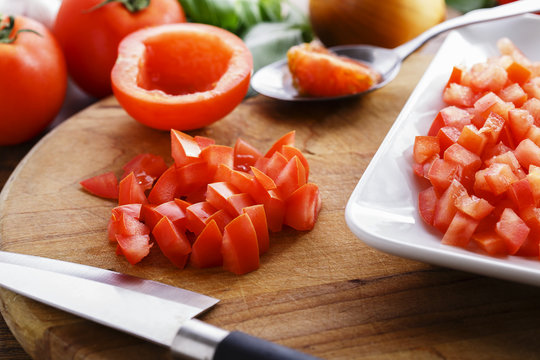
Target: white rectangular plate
(382, 210)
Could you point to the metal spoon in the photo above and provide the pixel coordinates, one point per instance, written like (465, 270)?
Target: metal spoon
(275, 80)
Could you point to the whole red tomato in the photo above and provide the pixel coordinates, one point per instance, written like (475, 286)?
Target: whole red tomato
(89, 32)
(33, 79)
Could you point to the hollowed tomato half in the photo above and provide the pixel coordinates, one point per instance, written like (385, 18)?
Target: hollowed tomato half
(181, 76)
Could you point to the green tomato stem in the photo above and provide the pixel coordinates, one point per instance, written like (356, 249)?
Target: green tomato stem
(131, 5)
(6, 31)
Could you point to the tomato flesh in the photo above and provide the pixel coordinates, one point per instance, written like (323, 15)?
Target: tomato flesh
(481, 157)
(215, 205)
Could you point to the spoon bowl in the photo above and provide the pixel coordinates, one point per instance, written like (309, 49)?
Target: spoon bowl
(275, 80)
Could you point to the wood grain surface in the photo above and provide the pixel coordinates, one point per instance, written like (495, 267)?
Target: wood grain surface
(323, 292)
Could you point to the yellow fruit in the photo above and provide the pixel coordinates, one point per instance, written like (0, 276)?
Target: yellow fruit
(386, 23)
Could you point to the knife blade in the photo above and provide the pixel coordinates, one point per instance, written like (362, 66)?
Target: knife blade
(165, 314)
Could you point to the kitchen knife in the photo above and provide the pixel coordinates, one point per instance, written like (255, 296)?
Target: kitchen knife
(165, 314)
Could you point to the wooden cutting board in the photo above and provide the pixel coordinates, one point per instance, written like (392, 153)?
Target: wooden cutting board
(323, 292)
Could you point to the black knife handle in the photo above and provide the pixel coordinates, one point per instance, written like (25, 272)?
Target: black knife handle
(197, 340)
(240, 346)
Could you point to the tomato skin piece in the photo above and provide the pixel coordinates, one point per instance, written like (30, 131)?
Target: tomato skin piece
(134, 247)
(184, 148)
(197, 215)
(204, 98)
(287, 139)
(290, 151)
(90, 38)
(245, 155)
(146, 168)
(103, 185)
(206, 250)
(216, 155)
(302, 207)
(130, 191)
(35, 69)
(173, 243)
(239, 247)
(166, 187)
(291, 177)
(257, 216)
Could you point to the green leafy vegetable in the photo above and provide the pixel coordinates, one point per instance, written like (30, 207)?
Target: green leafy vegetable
(469, 5)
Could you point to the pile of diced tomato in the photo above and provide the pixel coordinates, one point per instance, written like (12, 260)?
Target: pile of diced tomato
(214, 206)
(481, 157)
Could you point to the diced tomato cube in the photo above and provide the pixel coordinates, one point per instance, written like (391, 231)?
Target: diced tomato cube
(520, 192)
(460, 230)
(458, 95)
(471, 139)
(451, 116)
(533, 134)
(512, 229)
(447, 135)
(532, 87)
(446, 208)
(533, 107)
(468, 160)
(527, 153)
(492, 127)
(455, 76)
(473, 206)
(514, 94)
(519, 121)
(534, 181)
(509, 159)
(490, 242)
(499, 177)
(425, 147)
(518, 73)
(488, 76)
(442, 173)
(427, 201)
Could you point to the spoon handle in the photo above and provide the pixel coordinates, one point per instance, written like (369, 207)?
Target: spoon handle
(473, 17)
